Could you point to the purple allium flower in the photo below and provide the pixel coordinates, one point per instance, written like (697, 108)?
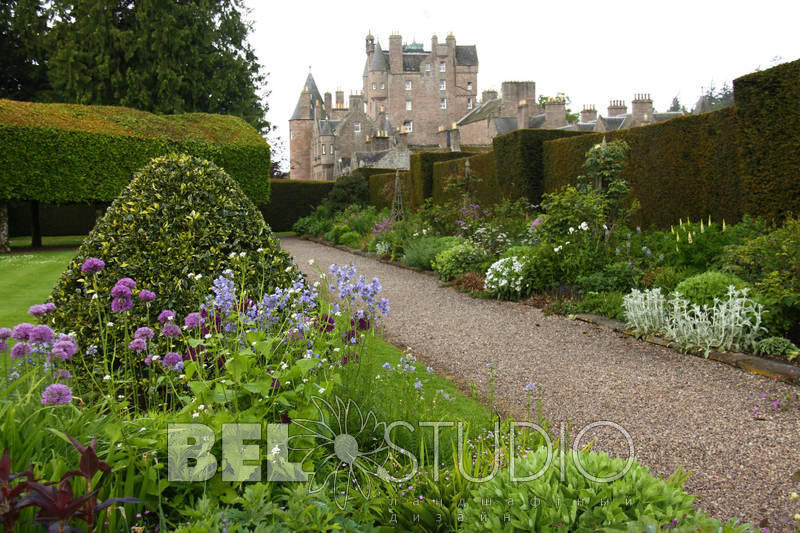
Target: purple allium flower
(148, 359)
(170, 360)
(37, 310)
(21, 350)
(49, 307)
(127, 282)
(119, 305)
(147, 296)
(62, 373)
(22, 332)
(143, 333)
(92, 266)
(170, 330)
(5, 333)
(120, 291)
(138, 345)
(192, 320)
(64, 348)
(166, 315)
(42, 335)
(56, 394)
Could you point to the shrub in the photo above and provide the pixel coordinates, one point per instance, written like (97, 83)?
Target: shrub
(619, 277)
(292, 200)
(665, 278)
(421, 252)
(351, 239)
(635, 495)
(180, 215)
(505, 279)
(348, 190)
(607, 304)
(776, 346)
(703, 289)
(459, 259)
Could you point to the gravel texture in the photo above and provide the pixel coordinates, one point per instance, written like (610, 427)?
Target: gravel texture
(679, 410)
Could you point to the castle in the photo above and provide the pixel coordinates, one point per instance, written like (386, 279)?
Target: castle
(409, 94)
(414, 99)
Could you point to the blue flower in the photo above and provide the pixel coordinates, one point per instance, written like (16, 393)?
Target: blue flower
(418, 384)
(387, 366)
(529, 387)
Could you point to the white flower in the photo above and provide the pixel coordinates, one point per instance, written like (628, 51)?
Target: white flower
(242, 254)
(208, 335)
(201, 407)
(276, 450)
(571, 230)
(260, 250)
(94, 296)
(198, 277)
(110, 324)
(316, 284)
(232, 255)
(195, 415)
(557, 249)
(191, 275)
(284, 366)
(287, 269)
(321, 390)
(106, 377)
(305, 380)
(336, 349)
(584, 226)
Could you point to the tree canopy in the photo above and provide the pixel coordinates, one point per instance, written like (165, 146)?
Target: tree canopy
(164, 57)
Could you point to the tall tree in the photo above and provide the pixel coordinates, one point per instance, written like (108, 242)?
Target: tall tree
(676, 104)
(23, 61)
(166, 57)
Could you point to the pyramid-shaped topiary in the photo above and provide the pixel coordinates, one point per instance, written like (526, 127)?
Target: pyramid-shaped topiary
(180, 215)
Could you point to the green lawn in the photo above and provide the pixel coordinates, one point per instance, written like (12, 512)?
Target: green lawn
(65, 240)
(26, 279)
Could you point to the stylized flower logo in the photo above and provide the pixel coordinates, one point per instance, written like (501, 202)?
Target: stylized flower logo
(353, 441)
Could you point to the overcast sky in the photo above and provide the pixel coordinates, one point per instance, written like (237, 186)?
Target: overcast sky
(593, 51)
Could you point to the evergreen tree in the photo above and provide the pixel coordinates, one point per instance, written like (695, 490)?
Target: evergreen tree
(166, 57)
(676, 104)
(23, 30)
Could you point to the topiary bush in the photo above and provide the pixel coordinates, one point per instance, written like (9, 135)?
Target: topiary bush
(703, 288)
(348, 190)
(180, 215)
(459, 259)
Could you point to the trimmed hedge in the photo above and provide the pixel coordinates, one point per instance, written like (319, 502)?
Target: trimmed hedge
(291, 200)
(381, 188)
(421, 164)
(519, 160)
(684, 167)
(769, 120)
(63, 153)
(487, 192)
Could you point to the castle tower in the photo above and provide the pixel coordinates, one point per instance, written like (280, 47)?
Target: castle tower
(301, 130)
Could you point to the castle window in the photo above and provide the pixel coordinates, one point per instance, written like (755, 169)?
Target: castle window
(469, 86)
(331, 152)
(469, 103)
(357, 127)
(408, 85)
(442, 85)
(408, 105)
(442, 103)
(323, 149)
(374, 85)
(408, 126)
(442, 66)
(427, 67)
(383, 85)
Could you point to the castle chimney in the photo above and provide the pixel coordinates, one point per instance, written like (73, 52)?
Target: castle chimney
(642, 109)
(340, 99)
(451, 43)
(488, 95)
(435, 49)
(357, 103)
(588, 114)
(523, 112)
(395, 53)
(555, 114)
(617, 107)
(328, 106)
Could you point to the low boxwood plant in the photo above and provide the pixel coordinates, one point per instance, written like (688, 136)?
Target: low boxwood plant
(704, 288)
(457, 260)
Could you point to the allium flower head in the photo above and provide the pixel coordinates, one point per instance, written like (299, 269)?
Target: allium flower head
(56, 394)
(127, 282)
(120, 291)
(42, 335)
(64, 348)
(192, 320)
(170, 360)
(40, 310)
(147, 296)
(92, 266)
(143, 333)
(119, 305)
(166, 315)
(22, 332)
(170, 330)
(138, 345)
(62, 373)
(21, 350)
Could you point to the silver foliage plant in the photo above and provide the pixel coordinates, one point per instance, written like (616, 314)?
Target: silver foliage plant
(731, 323)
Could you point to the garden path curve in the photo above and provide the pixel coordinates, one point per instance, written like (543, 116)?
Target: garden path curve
(679, 410)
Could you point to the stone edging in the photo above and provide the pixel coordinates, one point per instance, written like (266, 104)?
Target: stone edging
(748, 362)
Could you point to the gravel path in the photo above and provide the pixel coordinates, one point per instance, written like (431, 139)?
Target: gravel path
(679, 410)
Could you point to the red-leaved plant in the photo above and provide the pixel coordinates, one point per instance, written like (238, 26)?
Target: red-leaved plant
(56, 501)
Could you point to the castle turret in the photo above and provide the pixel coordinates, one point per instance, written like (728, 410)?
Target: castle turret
(301, 131)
